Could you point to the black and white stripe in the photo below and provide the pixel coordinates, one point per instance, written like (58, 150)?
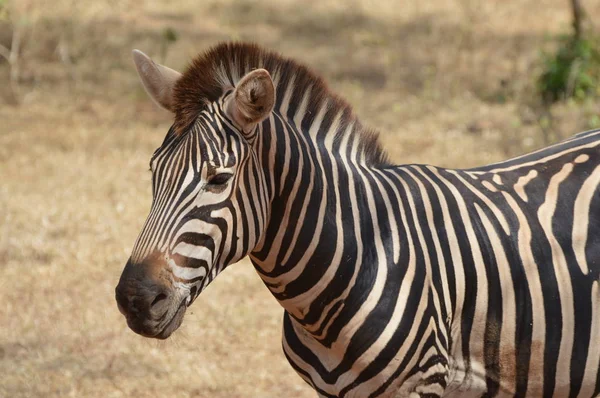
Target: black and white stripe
(396, 281)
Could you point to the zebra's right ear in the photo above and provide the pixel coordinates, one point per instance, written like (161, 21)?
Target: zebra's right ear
(253, 100)
(158, 80)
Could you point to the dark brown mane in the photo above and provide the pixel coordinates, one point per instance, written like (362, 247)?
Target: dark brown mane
(222, 66)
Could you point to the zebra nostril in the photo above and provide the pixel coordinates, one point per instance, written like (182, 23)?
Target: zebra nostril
(160, 297)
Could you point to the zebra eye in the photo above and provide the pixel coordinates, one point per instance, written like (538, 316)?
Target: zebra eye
(220, 179)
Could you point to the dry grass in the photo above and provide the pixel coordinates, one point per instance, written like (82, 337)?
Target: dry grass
(448, 82)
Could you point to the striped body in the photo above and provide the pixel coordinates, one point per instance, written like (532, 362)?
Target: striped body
(421, 278)
(396, 281)
(481, 281)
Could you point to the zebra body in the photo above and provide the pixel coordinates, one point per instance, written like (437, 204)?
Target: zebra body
(494, 265)
(396, 281)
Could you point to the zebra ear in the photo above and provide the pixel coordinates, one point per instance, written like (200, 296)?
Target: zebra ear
(158, 80)
(253, 100)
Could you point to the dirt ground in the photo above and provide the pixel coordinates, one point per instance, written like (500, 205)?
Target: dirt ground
(447, 82)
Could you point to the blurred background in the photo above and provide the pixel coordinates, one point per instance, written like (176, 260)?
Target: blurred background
(455, 83)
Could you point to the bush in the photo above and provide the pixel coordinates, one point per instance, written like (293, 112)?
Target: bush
(574, 71)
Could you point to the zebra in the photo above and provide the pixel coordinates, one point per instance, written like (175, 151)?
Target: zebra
(395, 280)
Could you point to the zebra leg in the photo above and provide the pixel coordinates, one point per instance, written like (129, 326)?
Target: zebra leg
(429, 382)
(434, 384)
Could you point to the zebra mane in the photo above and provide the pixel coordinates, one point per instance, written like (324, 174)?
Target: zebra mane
(221, 67)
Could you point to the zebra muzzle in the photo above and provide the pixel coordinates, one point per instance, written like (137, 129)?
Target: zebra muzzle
(151, 304)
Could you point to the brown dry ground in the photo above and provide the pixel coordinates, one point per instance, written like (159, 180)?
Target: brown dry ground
(448, 82)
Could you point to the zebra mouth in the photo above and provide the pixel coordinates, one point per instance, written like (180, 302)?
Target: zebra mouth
(175, 321)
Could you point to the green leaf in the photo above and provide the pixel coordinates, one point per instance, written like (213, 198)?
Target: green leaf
(170, 35)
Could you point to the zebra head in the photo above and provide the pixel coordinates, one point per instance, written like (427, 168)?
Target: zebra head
(209, 202)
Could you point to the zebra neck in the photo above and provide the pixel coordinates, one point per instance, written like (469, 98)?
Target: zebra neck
(320, 225)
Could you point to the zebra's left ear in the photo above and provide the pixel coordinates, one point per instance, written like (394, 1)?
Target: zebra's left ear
(158, 80)
(253, 100)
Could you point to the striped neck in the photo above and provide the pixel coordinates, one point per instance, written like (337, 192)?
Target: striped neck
(310, 161)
